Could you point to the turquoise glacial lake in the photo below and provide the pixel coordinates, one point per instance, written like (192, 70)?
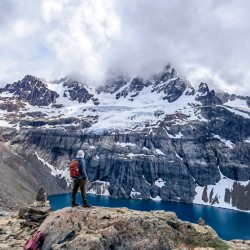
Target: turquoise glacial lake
(228, 224)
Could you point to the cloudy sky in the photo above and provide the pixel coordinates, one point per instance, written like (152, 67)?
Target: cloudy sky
(204, 40)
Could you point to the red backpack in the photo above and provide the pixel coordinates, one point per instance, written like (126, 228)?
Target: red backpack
(74, 169)
(35, 242)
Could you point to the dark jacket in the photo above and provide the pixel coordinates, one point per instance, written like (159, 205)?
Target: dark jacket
(82, 169)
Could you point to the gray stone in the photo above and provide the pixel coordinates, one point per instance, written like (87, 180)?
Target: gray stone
(41, 195)
(201, 222)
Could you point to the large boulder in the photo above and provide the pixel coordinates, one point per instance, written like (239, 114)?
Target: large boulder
(121, 228)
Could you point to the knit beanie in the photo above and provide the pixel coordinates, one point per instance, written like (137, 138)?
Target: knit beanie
(80, 153)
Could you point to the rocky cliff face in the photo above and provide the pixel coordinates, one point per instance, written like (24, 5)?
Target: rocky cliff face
(151, 165)
(155, 138)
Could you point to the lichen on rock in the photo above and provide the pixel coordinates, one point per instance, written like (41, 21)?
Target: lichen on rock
(121, 228)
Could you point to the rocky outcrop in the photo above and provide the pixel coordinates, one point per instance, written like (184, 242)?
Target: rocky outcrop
(172, 86)
(239, 196)
(34, 214)
(73, 121)
(11, 107)
(6, 134)
(134, 87)
(120, 228)
(32, 90)
(76, 91)
(207, 97)
(12, 236)
(16, 229)
(109, 228)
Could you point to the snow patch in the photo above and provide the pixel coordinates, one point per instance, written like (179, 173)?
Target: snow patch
(159, 183)
(157, 198)
(18, 126)
(238, 103)
(228, 143)
(239, 112)
(159, 152)
(125, 144)
(6, 94)
(64, 173)
(131, 155)
(219, 190)
(101, 188)
(178, 156)
(4, 123)
(177, 136)
(146, 180)
(134, 194)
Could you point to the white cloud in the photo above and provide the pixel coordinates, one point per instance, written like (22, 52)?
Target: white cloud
(51, 10)
(205, 41)
(83, 39)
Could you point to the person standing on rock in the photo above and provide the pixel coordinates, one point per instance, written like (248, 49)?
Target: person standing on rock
(80, 181)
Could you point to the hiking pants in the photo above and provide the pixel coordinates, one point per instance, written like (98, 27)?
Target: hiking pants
(82, 184)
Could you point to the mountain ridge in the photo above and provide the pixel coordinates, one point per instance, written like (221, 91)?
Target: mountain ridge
(155, 138)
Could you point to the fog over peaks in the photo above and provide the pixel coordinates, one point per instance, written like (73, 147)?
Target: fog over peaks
(205, 41)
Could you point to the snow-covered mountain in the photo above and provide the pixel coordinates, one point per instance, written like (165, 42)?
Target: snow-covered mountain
(155, 138)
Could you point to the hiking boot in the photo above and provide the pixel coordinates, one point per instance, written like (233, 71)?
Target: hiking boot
(86, 205)
(75, 204)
